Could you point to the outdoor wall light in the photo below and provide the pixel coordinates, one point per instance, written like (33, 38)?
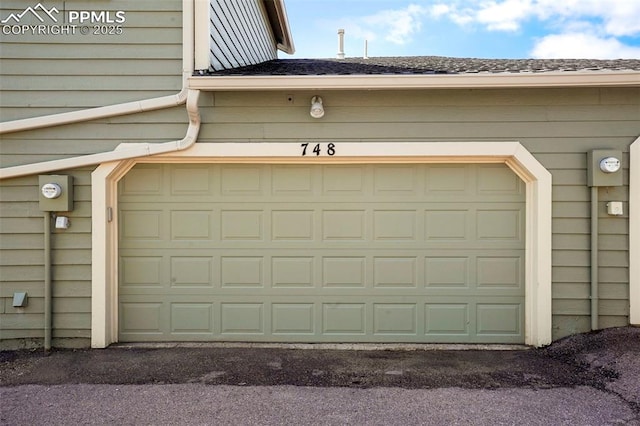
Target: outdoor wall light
(317, 111)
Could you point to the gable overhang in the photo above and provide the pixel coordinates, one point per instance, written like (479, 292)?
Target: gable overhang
(277, 15)
(416, 81)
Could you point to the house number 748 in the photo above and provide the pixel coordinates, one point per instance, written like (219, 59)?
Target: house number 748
(317, 149)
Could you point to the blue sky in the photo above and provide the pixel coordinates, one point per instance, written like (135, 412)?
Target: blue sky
(595, 29)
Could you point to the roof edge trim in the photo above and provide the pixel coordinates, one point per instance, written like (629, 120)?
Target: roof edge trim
(399, 82)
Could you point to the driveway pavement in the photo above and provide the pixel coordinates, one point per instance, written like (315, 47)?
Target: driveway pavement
(588, 379)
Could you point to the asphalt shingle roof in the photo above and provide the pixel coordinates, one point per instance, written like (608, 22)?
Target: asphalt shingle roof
(426, 65)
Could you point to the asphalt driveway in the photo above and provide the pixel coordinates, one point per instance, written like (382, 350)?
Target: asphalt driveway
(592, 378)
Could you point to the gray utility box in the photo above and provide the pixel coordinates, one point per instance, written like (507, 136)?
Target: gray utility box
(604, 167)
(56, 193)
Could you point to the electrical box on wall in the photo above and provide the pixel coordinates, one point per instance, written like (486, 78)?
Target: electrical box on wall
(56, 193)
(604, 167)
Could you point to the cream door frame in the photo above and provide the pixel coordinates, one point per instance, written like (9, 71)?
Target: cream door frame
(104, 300)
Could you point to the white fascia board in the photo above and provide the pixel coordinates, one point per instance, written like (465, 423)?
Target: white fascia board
(414, 81)
(287, 44)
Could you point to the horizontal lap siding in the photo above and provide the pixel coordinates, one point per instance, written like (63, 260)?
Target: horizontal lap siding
(22, 264)
(68, 72)
(42, 75)
(558, 126)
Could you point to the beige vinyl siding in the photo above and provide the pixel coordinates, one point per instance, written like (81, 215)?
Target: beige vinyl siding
(59, 73)
(239, 34)
(558, 126)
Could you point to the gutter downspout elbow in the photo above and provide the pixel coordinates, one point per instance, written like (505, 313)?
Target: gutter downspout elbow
(192, 131)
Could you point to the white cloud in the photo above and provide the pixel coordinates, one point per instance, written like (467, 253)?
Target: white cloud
(583, 28)
(396, 26)
(505, 16)
(615, 17)
(581, 45)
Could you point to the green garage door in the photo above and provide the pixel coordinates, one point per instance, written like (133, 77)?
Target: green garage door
(321, 253)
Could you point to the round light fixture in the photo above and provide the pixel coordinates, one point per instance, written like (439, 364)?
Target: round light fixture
(317, 111)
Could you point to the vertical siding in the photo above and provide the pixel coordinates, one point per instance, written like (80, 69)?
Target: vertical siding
(240, 34)
(42, 75)
(558, 126)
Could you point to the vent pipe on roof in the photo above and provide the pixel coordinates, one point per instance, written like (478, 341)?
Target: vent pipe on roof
(340, 54)
(366, 50)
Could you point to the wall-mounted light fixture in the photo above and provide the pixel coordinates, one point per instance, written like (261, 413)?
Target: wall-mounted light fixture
(317, 111)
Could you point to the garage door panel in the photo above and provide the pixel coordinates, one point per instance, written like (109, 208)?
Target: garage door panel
(425, 271)
(192, 318)
(344, 181)
(500, 224)
(396, 181)
(500, 272)
(192, 271)
(191, 225)
(144, 317)
(499, 319)
(293, 181)
(447, 319)
(293, 318)
(142, 225)
(191, 180)
(242, 180)
(398, 225)
(242, 225)
(287, 225)
(141, 271)
(453, 180)
(371, 253)
(288, 272)
(269, 319)
(497, 180)
(242, 272)
(144, 179)
(395, 318)
(344, 318)
(395, 272)
(242, 318)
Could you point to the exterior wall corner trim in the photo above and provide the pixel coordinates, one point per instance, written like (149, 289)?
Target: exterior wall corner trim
(634, 233)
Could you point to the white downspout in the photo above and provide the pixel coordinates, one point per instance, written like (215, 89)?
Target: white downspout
(128, 107)
(95, 113)
(123, 152)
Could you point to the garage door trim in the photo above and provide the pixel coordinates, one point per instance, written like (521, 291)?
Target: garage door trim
(104, 328)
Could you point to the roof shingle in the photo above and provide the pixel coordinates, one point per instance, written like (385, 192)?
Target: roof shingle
(426, 65)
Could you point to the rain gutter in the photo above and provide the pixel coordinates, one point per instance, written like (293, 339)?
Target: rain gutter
(139, 150)
(417, 81)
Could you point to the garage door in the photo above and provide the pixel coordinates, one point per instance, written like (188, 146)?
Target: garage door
(321, 253)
